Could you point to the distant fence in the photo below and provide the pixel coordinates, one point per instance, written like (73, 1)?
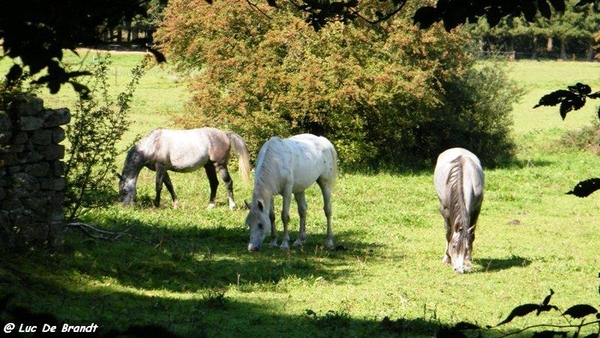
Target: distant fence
(514, 55)
(32, 183)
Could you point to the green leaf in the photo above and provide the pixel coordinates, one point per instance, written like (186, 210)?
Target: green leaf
(544, 9)
(580, 311)
(520, 311)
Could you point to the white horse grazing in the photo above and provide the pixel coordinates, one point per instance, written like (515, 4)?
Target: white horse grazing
(459, 180)
(184, 151)
(285, 167)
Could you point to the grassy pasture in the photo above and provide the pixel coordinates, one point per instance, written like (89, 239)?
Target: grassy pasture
(188, 269)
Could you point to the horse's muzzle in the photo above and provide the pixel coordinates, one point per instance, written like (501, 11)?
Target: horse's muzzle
(253, 248)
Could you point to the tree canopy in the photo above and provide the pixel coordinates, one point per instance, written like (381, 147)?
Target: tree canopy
(37, 31)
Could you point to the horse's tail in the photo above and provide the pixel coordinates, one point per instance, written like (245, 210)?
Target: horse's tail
(241, 151)
(335, 163)
(459, 210)
(474, 184)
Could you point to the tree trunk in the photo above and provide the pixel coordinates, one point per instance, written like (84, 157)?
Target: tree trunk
(563, 48)
(590, 53)
(549, 45)
(535, 48)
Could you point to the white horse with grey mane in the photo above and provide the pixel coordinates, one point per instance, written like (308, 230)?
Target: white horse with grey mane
(459, 181)
(184, 151)
(285, 167)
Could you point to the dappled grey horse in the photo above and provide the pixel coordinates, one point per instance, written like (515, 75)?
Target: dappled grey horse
(184, 151)
(285, 167)
(459, 180)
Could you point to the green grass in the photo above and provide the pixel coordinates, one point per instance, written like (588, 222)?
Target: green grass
(188, 269)
(542, 77)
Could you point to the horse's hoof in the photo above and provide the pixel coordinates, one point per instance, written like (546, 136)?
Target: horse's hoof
(298, 243)
(329, 244)
(211, 206)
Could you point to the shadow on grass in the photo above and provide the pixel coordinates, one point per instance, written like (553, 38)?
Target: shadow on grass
(181, 258)
(55, 289)
(215, 315)
(498, 264)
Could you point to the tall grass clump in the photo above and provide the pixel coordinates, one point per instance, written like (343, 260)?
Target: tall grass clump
(586, 138)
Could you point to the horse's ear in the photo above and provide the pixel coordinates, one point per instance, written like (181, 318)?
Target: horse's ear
(247, 204)
(261, 207)
(471, 229)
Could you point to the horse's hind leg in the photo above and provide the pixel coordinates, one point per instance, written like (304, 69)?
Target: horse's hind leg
(228, 184)
(169, 185)
(326, 190)
(213, 181)
(302, 206)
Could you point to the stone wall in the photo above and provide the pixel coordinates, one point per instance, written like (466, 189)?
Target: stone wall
(32, 185)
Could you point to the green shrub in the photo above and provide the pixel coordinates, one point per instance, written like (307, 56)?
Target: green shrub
(98, 124)
(386, 96)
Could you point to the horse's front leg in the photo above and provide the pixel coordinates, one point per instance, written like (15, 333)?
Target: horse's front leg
(285, 219)
(211, 173)
(169, 185)
(445, 214)
(302, 207)
(160, 174)
(273, 243)
(468, 256)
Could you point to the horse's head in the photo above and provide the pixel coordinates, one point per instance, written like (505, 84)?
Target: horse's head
(127, 190)
(460, 247)
(259, 223)
(128, 177)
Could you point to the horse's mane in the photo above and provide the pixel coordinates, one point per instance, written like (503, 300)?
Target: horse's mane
(459, 213)
(142, 151)
(266, 170)
(151, 144)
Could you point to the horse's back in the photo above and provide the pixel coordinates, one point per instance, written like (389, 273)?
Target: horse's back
(178, 150)
(471, 171)
(313, 154)
(299, 161)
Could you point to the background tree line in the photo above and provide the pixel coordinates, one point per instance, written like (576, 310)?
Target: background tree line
(568, 34)
(572, 32)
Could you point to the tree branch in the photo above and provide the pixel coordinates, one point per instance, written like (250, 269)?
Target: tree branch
(97, 233)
